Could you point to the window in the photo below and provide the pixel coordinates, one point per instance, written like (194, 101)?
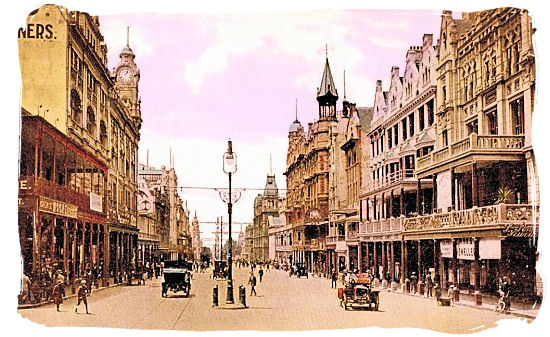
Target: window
(445, 140)
(518, 116)
(76, 107)
(404, 128)
(382, 143)
(411, 124)
(90, 121)
(444, 94)
(492, 122)
(472, 127)
(389, 139)
(396, 133)
(421, 118)
(430, 106)
(103, 134)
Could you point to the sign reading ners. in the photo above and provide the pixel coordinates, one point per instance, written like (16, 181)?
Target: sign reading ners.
(36, 31)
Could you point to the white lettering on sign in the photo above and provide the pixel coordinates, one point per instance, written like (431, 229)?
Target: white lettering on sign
(57, 207)
(23, 185)
(446, 247)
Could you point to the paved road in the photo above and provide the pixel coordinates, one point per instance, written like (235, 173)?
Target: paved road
(282, 303)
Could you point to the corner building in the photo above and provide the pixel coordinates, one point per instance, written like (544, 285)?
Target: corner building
(484, 224)
(63, 61)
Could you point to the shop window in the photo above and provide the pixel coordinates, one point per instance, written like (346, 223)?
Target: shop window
(518, 116)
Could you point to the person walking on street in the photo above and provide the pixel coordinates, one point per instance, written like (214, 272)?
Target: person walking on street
(252, 282)
(58, 292)
(81, 293)
(261, 273)
(334, 278)
(429, 285)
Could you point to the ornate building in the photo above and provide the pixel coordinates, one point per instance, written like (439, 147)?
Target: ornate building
(307, 173)
(402, 129)
(196, 238)
(486, 193)
(63, 62)
(266, 205)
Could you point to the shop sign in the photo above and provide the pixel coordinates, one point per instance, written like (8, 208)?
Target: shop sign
(96, 203)
(446, 247)
(56, 207)
(465, 249)
(489, 249)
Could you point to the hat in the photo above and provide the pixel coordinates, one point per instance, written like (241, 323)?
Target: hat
(83, 282)
(59, 281)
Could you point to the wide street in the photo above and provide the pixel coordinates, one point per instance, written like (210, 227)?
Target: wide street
(282, 303)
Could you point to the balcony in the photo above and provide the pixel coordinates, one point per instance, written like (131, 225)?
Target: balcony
(494, 215)
(473, 143)
(391, 178)
(331, 240)
(381, 226)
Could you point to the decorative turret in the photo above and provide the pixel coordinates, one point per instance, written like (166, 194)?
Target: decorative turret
(327, 95)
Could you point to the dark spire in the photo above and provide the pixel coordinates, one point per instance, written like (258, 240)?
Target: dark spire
(327, 83)
(327, 95)
(127, 51)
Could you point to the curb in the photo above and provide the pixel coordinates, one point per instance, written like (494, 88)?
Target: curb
(39, 304)
(462, 304)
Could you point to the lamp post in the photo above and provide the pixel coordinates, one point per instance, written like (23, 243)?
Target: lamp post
(230, 167)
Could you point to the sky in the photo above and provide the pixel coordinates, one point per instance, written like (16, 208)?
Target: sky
(205, 78)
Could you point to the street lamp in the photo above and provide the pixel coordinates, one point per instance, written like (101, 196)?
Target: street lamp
(230, 167)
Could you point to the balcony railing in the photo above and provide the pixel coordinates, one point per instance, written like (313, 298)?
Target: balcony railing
(391, 178)
(473, 142)
(482, 216)
(334, 239)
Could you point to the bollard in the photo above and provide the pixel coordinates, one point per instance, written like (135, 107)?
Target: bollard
(215, 296)
(242, 295)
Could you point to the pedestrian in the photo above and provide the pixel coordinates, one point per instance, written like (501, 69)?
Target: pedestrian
(414, 279)
(25, 289)
(81, 293)
(334, 278)
(57, 293)
(252, 282)
(429, 285)
(261, 273)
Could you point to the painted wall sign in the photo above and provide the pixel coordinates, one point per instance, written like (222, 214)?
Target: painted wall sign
(465, 249)
(96, 202)
(57, 207)
(36, 31)
(489, 249)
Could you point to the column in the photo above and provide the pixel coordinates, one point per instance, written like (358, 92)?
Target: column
(384, 261)
(97, 246)
(453, 190)
(106, 254)
(368, 255)
(418, 188)
(402, 202)
(392, 262)
(375, 261)
(83, 241)
(117, 256)
(391, 204)
(404, 257)
(452, 278)
(66, 247)
(475, 201)
(434, 194)
(53, 258)
(419, 254)
(359, 257)
(73, 249)
(476, 264)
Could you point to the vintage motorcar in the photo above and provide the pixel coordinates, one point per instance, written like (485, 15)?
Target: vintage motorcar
(220, 270)
(177, 277)
(298, 270)
(359, 295)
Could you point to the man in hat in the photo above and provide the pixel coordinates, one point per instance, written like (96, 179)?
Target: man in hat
(81, 293)
(58, 292)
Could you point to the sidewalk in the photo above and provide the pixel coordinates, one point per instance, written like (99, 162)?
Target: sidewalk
(39, 304)
(489, 302)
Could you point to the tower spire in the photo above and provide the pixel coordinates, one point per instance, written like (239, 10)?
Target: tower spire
(344, 84)
(127, 36)
(296, 109)
(270, 165)
(326, 51)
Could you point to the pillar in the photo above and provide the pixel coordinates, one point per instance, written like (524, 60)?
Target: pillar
(375, 261)
(53, 258)
(476, 264)
(454, 263)
(359, 257)
(384, 261)
(405, 256)
(392, 262)
(65, 246)
(475, 200)
(418, 188)
(419, 254)
(402, 202)
(434, 194)
(453, 190)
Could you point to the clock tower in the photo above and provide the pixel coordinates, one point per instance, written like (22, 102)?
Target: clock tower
(126, 77)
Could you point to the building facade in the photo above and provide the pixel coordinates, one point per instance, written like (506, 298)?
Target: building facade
(65, 79)
(266, 206)
(486, 194)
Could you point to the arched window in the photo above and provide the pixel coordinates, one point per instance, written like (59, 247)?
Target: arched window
(90, 121)
(76, 106)
(103, 134)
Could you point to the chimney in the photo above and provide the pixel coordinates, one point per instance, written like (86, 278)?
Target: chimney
(427, 40)
(395, 71)
(378, 86)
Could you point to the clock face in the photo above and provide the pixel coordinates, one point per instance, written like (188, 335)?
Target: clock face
(145, 205)
(125, 75)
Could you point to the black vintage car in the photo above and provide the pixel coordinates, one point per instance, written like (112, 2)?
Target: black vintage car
(298, 270)
(177, 277)
(220, 270)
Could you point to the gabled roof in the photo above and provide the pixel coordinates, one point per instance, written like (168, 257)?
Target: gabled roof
(327, 83)
(365, 117)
